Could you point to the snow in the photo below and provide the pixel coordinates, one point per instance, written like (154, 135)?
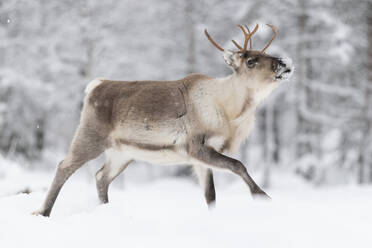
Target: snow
(172, 213)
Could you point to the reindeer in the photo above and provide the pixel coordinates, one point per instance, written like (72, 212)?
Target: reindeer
(195, 120)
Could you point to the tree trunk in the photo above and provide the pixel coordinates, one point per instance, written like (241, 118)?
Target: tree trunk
(244, 153)
(368, 96)
(268, 144)
(277, 147)
(190, 32)
(299, 88)
(364, 159)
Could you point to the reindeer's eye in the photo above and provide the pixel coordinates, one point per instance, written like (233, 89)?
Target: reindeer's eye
(251, 62)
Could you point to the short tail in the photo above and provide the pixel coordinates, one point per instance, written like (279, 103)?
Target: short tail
(92, 85)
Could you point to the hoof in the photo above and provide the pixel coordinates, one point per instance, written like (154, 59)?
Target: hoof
(40, 212)
(260, 194)
(211, 205)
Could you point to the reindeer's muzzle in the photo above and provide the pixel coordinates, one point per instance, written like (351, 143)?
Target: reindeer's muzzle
(283, 68)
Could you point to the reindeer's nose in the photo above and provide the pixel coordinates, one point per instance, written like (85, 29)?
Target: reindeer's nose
(277, 64)
(283, 68)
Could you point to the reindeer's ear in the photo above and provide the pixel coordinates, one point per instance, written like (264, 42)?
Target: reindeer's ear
(231, 59)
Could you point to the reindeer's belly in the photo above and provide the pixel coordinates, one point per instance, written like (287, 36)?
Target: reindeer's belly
(160, 142)
(146, 153)
(162, 133)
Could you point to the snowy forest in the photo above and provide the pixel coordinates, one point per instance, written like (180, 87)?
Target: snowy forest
(318, 126)
(310, 149)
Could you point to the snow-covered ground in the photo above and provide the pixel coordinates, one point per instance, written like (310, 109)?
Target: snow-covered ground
(172, 213)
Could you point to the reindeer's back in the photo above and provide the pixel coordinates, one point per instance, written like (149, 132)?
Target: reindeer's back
(143, 109)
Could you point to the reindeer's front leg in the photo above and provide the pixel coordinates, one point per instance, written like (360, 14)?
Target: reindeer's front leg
(201, 151)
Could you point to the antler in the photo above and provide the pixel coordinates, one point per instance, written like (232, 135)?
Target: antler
(275, 33)
(237, 45)
(247, 37)
(250, 39)
(213, 42)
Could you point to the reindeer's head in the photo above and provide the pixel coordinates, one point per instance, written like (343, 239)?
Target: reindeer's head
(256, 66)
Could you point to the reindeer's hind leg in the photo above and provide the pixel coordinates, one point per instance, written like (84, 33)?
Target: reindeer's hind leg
(109, 171)
(205, 177)
(87, 144)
